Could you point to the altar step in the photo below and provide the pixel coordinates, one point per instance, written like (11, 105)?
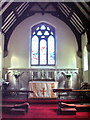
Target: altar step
(43, 98)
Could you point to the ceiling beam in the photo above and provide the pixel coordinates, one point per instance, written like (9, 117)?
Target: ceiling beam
(25, 14)
(78, 12)
(6, 6)
(66, 20)
(9, 10)
(83, 10)
(59, 14)
(86, 6)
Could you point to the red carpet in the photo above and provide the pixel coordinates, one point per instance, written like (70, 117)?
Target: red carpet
(45, 100)
(47, 112)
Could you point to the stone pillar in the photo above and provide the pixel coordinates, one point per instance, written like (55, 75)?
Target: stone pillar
(89, 67)
(88, 49)
(1, 65)
(1, 54)
(86, 57)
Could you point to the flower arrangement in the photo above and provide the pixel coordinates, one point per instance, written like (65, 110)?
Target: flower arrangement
(16, 74)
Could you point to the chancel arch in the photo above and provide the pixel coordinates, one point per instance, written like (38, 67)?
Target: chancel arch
(65, 41)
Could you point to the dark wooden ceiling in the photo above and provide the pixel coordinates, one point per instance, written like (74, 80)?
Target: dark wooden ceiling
(75, 14)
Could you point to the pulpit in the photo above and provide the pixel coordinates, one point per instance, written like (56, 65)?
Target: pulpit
(42, 89)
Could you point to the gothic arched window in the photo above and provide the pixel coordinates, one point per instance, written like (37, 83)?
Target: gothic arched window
(43, 45)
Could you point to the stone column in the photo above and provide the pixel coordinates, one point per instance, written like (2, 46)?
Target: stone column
(1, 54)
(88, 49)
(1, 65)
(85, 58)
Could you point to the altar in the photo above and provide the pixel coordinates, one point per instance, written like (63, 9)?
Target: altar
(42, 89)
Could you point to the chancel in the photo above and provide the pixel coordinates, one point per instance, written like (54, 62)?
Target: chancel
(45, 59)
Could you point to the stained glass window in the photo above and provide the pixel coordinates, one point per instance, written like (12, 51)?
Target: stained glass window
(43, 52)
(35, 50)
(43, 45)
(51, 55)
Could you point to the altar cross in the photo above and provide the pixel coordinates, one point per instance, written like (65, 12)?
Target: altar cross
(43, 91)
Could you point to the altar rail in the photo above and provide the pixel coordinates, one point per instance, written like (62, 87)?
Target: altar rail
(19, 78)
(41, 74)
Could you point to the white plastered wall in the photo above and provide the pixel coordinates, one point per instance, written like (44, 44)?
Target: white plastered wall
(19, 44)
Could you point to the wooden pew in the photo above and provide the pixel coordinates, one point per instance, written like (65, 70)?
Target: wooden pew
(17, 91)
(70, 90)
(69, 108)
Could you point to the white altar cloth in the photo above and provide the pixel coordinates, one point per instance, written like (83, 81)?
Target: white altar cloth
(42, 89)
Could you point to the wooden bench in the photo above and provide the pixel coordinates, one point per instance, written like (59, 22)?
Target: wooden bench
(71, 108)
(18, 91)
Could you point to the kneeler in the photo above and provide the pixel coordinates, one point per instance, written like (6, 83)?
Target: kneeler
(79, 107)
(15, 109)
(67, 109)
(67, 105)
